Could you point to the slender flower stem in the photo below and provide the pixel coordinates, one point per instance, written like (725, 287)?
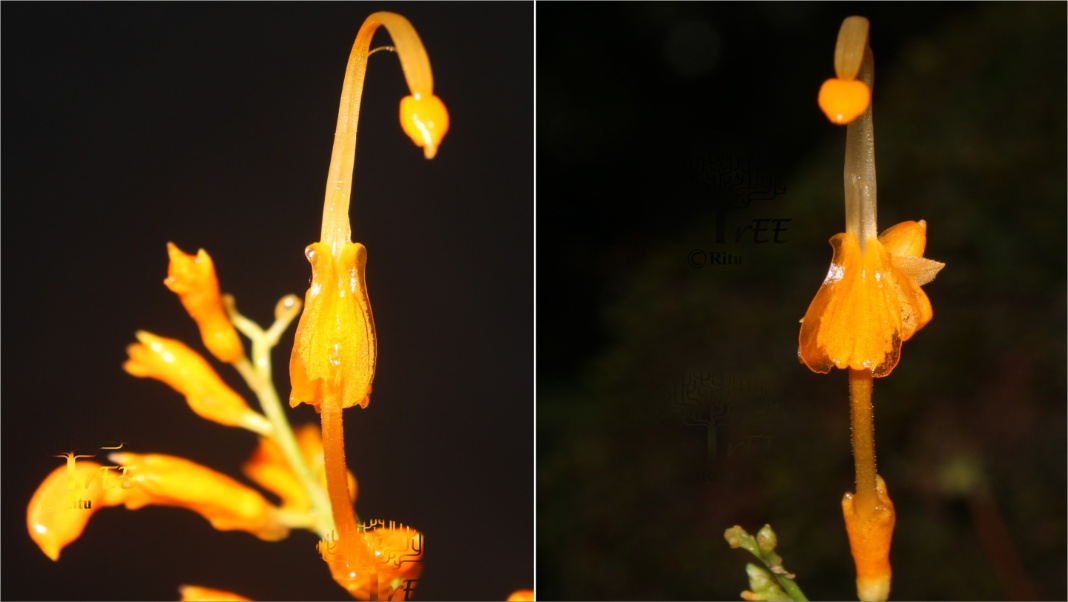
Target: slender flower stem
(257, 375)
(416, 65)
(860, 189)
(861, 413)
(352, 546)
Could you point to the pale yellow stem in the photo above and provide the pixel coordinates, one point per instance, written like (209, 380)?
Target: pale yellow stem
(860, 167)
(416, 65)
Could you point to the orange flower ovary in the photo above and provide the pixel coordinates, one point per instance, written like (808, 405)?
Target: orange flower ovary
(869, 304)
(869, 541)
(188, 373)
(193, 278)
(335, 347)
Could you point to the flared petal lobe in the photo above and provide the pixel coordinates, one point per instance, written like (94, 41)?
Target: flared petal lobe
(193, 278)
(335, 348)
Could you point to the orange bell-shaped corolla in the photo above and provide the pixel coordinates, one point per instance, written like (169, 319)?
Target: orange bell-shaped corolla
(869, 303)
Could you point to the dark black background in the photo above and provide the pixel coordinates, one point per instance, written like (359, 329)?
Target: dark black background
(636, 103)
(128, 126)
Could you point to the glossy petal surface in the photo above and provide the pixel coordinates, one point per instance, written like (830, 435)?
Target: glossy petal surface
(170, 361)
(335, 348)
(228, 505)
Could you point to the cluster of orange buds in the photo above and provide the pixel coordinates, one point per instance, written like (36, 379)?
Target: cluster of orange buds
(62, 505)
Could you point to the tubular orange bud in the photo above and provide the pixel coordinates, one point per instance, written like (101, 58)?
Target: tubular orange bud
(193, 278)
(869, 540)
(64, 502)
(193, 593)
(164, 480)
(188, 373)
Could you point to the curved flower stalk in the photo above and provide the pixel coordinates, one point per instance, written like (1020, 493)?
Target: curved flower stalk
(869, 303)
(334, 354)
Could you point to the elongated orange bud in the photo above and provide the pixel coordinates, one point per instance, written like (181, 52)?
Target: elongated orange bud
(193, 278)
(228, 505)
(188, 373)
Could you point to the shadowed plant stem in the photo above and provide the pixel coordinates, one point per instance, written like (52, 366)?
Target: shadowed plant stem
(861, 413)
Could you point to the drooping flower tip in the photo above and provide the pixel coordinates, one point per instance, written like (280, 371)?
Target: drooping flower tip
(193, 279)
(842, 101)
(172, 362)
(62, 505)
(425, 120)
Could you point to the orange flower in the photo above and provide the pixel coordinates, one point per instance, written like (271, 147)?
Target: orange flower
(164, 480)
(869, 303)
(869, 541)
(193, 278)
(335, 347)
(521, 595)
(188, 373)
